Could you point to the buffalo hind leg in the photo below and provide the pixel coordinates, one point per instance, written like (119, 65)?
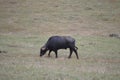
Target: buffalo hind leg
(70, 53)
(74, 48)
(56, 55)
(76, 53)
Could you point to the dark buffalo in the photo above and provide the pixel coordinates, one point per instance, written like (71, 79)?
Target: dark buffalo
(55, 43)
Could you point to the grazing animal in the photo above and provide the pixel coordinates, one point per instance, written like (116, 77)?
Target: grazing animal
(55, 43)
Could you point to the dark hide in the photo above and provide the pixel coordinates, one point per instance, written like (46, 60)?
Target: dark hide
(55, 43)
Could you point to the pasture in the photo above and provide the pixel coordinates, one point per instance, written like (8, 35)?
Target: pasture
(26, 25)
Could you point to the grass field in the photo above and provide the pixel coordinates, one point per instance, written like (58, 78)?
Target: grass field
(25, 26)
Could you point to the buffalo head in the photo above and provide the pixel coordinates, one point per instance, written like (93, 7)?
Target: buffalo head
(43, 50)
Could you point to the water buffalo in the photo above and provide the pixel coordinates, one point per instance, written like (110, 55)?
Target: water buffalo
(55, 43)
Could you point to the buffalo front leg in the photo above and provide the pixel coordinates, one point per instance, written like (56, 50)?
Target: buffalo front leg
(70, 53)
(49, 53)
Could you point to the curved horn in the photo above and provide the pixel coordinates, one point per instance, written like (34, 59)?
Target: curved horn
(43, 48)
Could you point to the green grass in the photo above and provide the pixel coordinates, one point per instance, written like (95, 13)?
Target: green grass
(26, 25)
(99, 59)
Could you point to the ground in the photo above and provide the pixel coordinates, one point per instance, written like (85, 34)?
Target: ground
(26, 25)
